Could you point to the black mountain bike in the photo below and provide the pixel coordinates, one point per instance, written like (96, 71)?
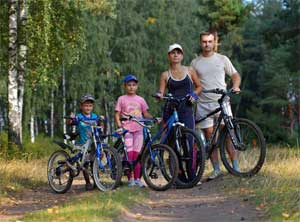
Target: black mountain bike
(240, 138)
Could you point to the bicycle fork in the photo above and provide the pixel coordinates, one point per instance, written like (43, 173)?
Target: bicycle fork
(234, 133)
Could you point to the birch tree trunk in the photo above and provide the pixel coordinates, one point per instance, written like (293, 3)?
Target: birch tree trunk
(32, 135)
(22, 51)
(14, 124)
(36, 126)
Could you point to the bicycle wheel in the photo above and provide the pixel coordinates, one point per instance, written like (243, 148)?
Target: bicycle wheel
(191, 158)
(160, 167)
(107, 170)
(59, 174)
(250, 149)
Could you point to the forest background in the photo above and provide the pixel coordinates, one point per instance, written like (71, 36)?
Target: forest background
(53, 51)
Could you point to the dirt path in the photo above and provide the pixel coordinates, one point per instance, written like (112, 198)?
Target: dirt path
(206, 202)
(30, 200)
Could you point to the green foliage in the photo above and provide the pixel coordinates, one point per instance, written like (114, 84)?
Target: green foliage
(98, 42)
(42, 147)
(222, 15)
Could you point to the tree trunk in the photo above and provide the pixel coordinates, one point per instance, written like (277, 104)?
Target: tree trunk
(298, 114)
(216, 37)
(290, 110)
(14, 124)
(36, 126)
(52, 114)
(108, 126)
(64, 98)
(22, 51)
(32, 135)
(46, 126)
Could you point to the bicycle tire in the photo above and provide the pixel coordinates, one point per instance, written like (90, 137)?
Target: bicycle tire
(55, 171)
(165, 164)
(109, 177)
(184, 180)
(251, 155)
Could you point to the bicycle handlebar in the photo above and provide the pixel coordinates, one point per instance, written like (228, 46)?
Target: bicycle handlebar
(141, 121)
(87, 121)
(169, 97)
(220, 91)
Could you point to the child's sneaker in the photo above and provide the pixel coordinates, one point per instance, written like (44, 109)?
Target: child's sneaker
(138, 183)
(215, 174)
(131, 183)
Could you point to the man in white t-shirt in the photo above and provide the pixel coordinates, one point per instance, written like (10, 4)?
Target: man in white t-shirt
(211, 68)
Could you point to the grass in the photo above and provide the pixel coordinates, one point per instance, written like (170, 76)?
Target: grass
(276, 189)
(16, 175)
(96, 206)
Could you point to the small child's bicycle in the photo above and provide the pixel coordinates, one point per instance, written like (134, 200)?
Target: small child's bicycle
(96, 157)
(159, 161)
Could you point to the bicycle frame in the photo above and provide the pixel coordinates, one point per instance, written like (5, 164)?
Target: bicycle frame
(147, 144)
(225, 115)
(173, 121)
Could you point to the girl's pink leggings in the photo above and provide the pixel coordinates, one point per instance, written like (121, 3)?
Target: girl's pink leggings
(134, 143)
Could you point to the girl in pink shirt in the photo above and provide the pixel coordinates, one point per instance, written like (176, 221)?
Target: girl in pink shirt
(134, 105)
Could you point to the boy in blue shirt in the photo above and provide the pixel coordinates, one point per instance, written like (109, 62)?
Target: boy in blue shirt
(84, 130)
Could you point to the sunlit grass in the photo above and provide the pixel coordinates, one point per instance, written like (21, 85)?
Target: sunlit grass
(15, 175)
(276, 188)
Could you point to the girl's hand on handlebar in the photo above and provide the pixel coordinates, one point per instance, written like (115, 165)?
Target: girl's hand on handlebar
(157, 120)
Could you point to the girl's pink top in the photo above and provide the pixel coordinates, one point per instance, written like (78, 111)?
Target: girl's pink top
(133, 105)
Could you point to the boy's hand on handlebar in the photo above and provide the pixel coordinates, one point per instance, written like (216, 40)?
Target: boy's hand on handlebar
(192, 97)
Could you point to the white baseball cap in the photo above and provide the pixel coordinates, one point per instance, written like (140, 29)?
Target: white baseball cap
(175, 46)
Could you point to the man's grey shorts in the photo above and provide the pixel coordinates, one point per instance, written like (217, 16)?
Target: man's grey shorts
(202, 110)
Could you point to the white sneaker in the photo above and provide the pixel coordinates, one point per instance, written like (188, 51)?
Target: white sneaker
(138, 183)
(214, 174)
(131, 182)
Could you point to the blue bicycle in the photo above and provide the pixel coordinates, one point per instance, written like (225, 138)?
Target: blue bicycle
(186, 144)
(159, 161)
(96, 157)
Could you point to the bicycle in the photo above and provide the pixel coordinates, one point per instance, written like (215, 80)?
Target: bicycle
(159, 161)
(96, 157)
(242, 137)
(186, 144)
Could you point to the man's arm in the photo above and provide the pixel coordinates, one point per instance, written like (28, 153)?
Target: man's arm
(236, 82)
